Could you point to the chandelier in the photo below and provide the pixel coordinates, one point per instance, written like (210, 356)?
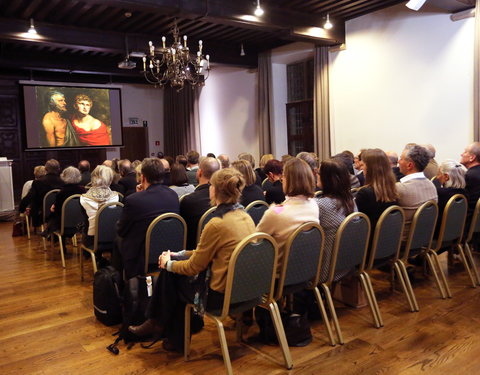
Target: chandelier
(174, 65)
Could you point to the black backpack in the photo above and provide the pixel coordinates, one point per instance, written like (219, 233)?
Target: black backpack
(107, 301)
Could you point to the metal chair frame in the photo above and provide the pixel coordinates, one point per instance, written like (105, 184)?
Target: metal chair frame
(203, 221)
(254, 204)
(48, 200)
(474, 228)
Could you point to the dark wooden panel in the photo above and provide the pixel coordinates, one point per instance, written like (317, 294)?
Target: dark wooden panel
(136, 143)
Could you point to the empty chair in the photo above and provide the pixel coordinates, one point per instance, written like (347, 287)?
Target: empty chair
(105, 232)
(250, 282)
(474, 229)
(166, 232)
(206, 217)
(349, 253)
(48, 200)
(419, 238)
(256, 209)
(450, 237)
(72, 216)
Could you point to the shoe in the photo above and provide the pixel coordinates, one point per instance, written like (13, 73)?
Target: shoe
(169, 347)
(149, 327)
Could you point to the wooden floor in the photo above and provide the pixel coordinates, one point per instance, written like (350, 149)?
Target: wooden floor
(47, 327)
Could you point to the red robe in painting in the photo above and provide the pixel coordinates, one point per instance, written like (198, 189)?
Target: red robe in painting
(97, 137)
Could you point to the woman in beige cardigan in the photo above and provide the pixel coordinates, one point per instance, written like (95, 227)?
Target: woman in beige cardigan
(219, 238)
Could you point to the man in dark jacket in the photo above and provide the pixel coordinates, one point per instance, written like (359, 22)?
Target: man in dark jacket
(128, 182)
(141, 208)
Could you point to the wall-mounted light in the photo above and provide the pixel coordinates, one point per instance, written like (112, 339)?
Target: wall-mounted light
(32, 30)
(327, 25)
(258, 10)
(242, 51)
(415, 4)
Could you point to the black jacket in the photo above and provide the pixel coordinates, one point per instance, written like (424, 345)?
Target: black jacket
(251, 193)
(128, 184)
(192, 207)
(275, 193)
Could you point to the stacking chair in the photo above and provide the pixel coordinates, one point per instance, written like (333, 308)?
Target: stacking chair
(450, 236)
(26, 216)
(182, 197)
(48, 200)
(349, 253)
(385, 247)
(318, 194)
(105, 232)
(121, 197)
(419, 238)
(166, 232)
(72, 216)
(266, 184)
(474, 228)
(256, 209)
(301, 266)
(206, 217)
(250, 282)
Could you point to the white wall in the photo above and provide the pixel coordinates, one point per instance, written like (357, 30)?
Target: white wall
(144, 102)
(227, 112)
(404, 77)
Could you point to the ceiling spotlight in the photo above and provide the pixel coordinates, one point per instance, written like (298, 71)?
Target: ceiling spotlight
(415, 4)
(327, 25)
(242, 51)
(32, 30)
(258, 10)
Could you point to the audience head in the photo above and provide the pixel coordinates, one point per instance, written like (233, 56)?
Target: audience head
(471, 156)
(52, 166)
(224, 160)
(207, 168)
(153, 170)
(71, 175)
(124, 167)
(414, 159)
(451, 174)
(286, 158)
(379, 175)
(84, 166)
(108, 163)
(393, 158)
(308, 158)
(246, 170)
(226, 186)
(181, 159)
(346, 160)
(349, 153)
(102, 176)
(136, 163)
(170, 160)
(264, 160)
(192, 157)
(248, 157)
(336, 183)
(115, 165)
(178, 175)
(138, 173)
(166, 165)
(298, 178)
(39, 171)
(211, 155)
(431, 150)
(273, 169)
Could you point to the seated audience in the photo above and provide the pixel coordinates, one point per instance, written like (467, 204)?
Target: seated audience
(211, 155)
(414, 189)
(274, 193)
(220, 236)
(249, 157)
(262, 163)
(181, 159)
(393, 157)
(379, 191)
(348, 163)
(38, 172)
(136, 163)
(96, 197)
(335, 204)
(39, 188)
(179, 180)
(224, 160)
(128, 181)
(192, 166)
(194, 205)
(281, 220)
(141, 208)
(84, 168)
(311, 160)
(470, 158)
(251, 192)
(431, 170)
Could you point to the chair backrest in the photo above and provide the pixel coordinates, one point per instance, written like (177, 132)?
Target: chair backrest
(475, 222)
(166, 232)
(106, 224)
(422, 227)
(251, 270)
(388, 235)
(121, 197)
(183, 196)
(206, 217)
(453, 220)
(48, 200)
(351, 242)
(72, 213)
(256, 209)
(266, 184)
(302, 258)
(318, 193)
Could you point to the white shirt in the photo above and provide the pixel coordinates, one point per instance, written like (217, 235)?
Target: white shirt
(412, 176)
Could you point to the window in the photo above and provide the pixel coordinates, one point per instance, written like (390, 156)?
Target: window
(300, 107)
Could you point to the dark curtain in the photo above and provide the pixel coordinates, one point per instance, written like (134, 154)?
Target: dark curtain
(265, 111)
(181, 122)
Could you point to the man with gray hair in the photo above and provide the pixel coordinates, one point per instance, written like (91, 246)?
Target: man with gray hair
(431, 170)
(224, 160)
(414, 189)
(470, 158)
(58, 130)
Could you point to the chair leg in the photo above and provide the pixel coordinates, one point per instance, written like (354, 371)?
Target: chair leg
(372, 300)
(224, 346)
(42, 228)
(325, 318)
(186, 344)
(398, 272)
(435, 274)
(62, 254)
(81, 263)
(27, 223)
(468, 253)
(331, 307)
(465, 264)
(94, 262)
(74, 240)
(280, 331)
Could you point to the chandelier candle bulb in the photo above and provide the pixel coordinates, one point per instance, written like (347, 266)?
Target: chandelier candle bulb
(185, 41)
(208, 61)
(163, 41)
(200, 46)
(144, 63)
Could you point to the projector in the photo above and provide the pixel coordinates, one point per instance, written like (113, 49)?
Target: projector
(127, 64)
